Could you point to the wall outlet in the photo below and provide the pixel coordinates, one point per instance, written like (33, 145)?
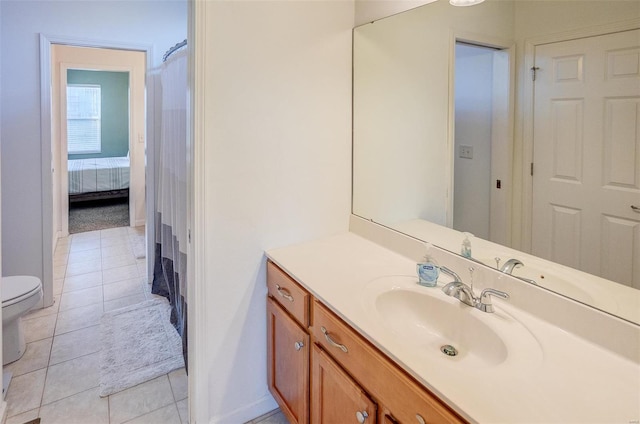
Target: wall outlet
(466, 152)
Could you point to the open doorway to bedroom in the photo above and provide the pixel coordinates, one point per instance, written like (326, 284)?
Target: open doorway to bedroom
(97, 127)
(98, 155)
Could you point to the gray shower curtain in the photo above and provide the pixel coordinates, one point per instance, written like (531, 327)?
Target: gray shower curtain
(170, 264)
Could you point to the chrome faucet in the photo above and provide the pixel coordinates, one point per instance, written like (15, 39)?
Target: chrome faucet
(460, 291)
(464, 293)
(510, 265)
(449, 272)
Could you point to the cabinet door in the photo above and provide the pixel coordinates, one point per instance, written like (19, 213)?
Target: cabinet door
(288, 363)
(335, 397)
(388, 419)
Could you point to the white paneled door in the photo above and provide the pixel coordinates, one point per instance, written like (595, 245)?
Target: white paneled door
(587, 155)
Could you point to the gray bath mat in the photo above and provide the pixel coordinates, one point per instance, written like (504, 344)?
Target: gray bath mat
(139, 246)
(138, 344)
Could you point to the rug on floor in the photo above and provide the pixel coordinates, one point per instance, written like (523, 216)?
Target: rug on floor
(98, 215)
(138, 344)
(138, 243)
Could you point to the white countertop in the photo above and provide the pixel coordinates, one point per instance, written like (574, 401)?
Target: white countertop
(571, 381)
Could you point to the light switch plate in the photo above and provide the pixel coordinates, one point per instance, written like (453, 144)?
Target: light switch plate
(466, 152)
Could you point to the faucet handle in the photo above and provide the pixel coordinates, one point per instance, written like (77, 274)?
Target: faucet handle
(484, 303)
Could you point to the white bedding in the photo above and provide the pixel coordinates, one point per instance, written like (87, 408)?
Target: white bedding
(98, 174)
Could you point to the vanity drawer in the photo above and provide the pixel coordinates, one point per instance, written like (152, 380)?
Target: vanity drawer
(410, 403)
(389, 385)
(288, 293)
(342, 343)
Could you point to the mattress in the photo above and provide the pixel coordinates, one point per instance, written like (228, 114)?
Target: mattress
(98, 174)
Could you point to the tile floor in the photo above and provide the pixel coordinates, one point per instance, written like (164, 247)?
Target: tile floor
(273, 417)
(57, 377)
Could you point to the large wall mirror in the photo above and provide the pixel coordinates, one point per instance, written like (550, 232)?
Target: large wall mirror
(516, 121)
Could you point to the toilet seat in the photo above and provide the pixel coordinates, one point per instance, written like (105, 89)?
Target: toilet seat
(17, 288)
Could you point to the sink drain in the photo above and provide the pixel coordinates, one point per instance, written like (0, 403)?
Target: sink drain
(448, 350)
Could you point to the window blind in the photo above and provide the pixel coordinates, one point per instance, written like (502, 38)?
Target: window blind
(83, 118)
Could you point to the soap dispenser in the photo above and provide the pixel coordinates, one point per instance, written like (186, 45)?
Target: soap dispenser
(465, 249)
(428, 269)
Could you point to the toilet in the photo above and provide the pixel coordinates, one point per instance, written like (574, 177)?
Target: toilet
(20, 293)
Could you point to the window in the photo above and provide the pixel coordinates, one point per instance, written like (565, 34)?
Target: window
(83, 119)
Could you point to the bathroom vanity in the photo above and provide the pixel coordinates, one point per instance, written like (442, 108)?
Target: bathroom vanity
(350, 378)
(352, 337)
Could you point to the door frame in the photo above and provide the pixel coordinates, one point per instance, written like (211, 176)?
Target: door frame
(62, 142)
(49, 241)
(526, 212)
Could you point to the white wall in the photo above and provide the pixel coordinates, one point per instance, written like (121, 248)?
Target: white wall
(275, 156)
(370, 10)
(160, 24)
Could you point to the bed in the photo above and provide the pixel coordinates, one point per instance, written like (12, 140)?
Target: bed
(98, 178)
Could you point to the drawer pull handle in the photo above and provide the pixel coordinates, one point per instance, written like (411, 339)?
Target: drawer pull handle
(362, 416)
(420, 419)
(635, 208)
(284, 293)
(332, 343)
(298, 345)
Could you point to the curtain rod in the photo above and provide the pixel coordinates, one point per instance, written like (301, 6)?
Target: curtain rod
(173, 49)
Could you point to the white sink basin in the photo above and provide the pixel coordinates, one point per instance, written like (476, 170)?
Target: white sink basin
(426, 320)
(429, 321)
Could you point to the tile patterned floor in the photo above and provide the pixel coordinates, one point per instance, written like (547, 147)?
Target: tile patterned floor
(57, 378)
(273, 417)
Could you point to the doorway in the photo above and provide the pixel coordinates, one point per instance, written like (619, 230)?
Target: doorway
(54, 165)
(104, 174)
(481, 142)
(97, 127)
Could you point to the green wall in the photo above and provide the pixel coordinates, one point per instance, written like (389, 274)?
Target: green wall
(115, 109)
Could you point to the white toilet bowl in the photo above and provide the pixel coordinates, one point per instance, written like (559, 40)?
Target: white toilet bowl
(20, 293)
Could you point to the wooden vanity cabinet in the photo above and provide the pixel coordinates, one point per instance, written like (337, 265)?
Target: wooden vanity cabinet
(288, 345)
(322, 371)
(399, 397)
(335, 396)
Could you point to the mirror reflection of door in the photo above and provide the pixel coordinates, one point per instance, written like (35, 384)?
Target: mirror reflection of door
(481, 98)
(587, 126)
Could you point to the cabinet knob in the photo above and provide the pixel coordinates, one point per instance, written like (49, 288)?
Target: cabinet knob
(362, 416)
(420, 419)
(298, 345)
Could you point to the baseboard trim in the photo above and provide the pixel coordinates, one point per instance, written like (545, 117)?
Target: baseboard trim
(139, 223)
(3, 410)
(248, 412)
